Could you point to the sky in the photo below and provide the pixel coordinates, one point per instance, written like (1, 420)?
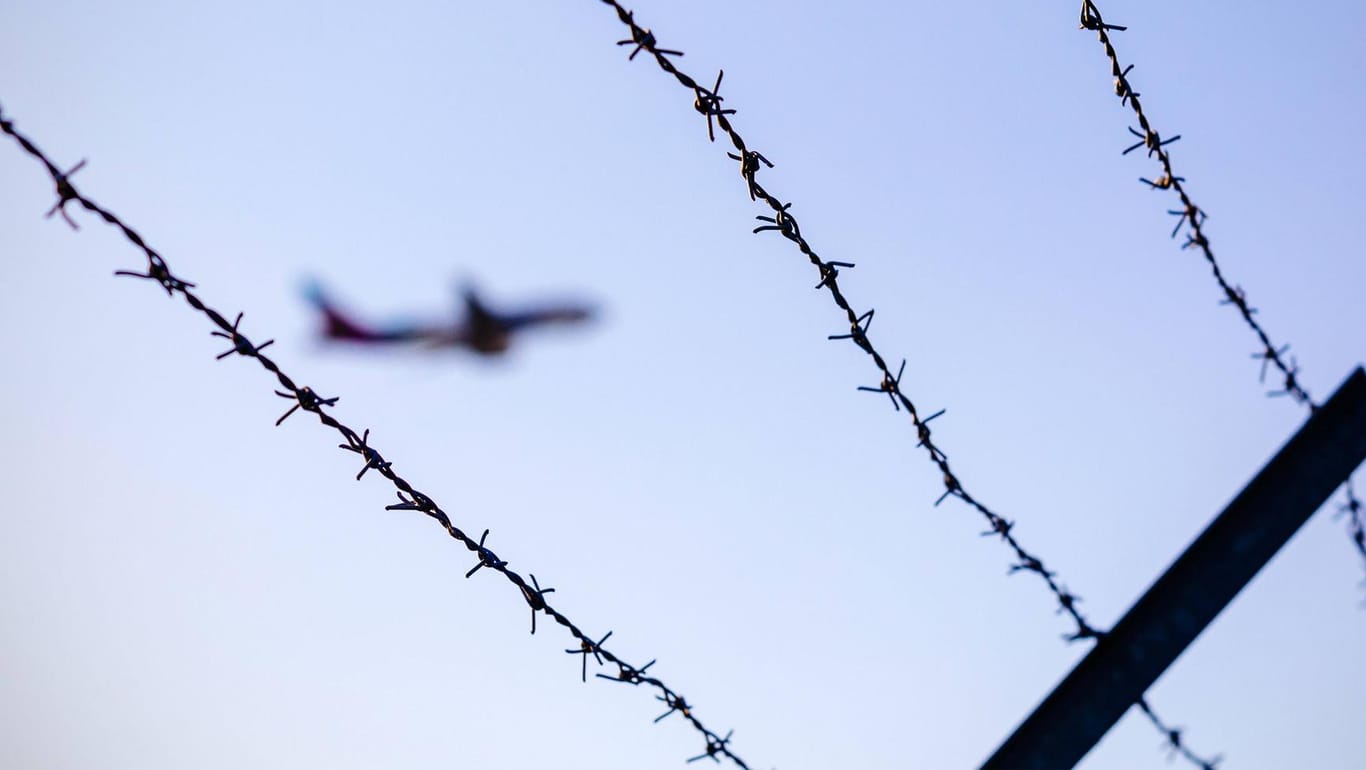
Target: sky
(182, 584)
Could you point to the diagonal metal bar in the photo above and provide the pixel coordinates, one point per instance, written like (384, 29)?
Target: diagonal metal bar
(1196, 588)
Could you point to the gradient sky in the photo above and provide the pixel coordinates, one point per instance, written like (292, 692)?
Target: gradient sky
(184, 585)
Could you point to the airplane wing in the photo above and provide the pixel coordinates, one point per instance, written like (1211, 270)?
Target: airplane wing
(547, 315)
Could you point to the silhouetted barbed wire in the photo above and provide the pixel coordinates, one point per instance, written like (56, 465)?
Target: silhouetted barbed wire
(1192, 219)
(707, 102)
(1174, 742)
(410, 499)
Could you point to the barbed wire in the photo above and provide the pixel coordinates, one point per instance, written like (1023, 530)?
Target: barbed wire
(1191, 218)
(707, 102)
(1173, 739)
(410, 499)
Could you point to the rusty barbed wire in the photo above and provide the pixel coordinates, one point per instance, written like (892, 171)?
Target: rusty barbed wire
(410, 499)
(707, 103)
(1192, 219)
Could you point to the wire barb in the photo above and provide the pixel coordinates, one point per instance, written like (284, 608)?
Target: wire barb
(709, 104)
(1084, 631)
(643, 40)
(999, 527)
(714, 747)
(749, 163)
(830, 271)
(65, 194)
(1068, 600)
(535, 596)
(780, 221)
(414, 501)
(1234, 295)
(625, 673)
(1197, 240)
(858, 331)
(675, 703)
(240, 344)
(890, 385)
(1189, 214)
(922, 427)
(308, 401)
(1031, 564)
(1163, 182)
(362, 447)
(487, 558)
(1148, 139)
(1122, 88)
(1267, 356)
(1291, 387)
(589, 647)
(1090, 19)
(158, 271)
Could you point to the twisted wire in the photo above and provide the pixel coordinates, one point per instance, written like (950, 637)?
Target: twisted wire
(1191, 218)
(1174, 741)
(410, 499)
(707, 102)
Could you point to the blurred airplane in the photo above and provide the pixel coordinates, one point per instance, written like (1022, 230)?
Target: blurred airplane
(482, 330)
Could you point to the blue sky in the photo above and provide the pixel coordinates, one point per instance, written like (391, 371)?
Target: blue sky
(185, 585)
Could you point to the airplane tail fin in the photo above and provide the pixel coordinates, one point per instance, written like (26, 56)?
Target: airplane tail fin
(337, 325)
(474, 307)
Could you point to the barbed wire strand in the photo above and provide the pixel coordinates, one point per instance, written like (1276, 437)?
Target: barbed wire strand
(1191, 218)
(410, 499)
(1173, 738)
(707, 102)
